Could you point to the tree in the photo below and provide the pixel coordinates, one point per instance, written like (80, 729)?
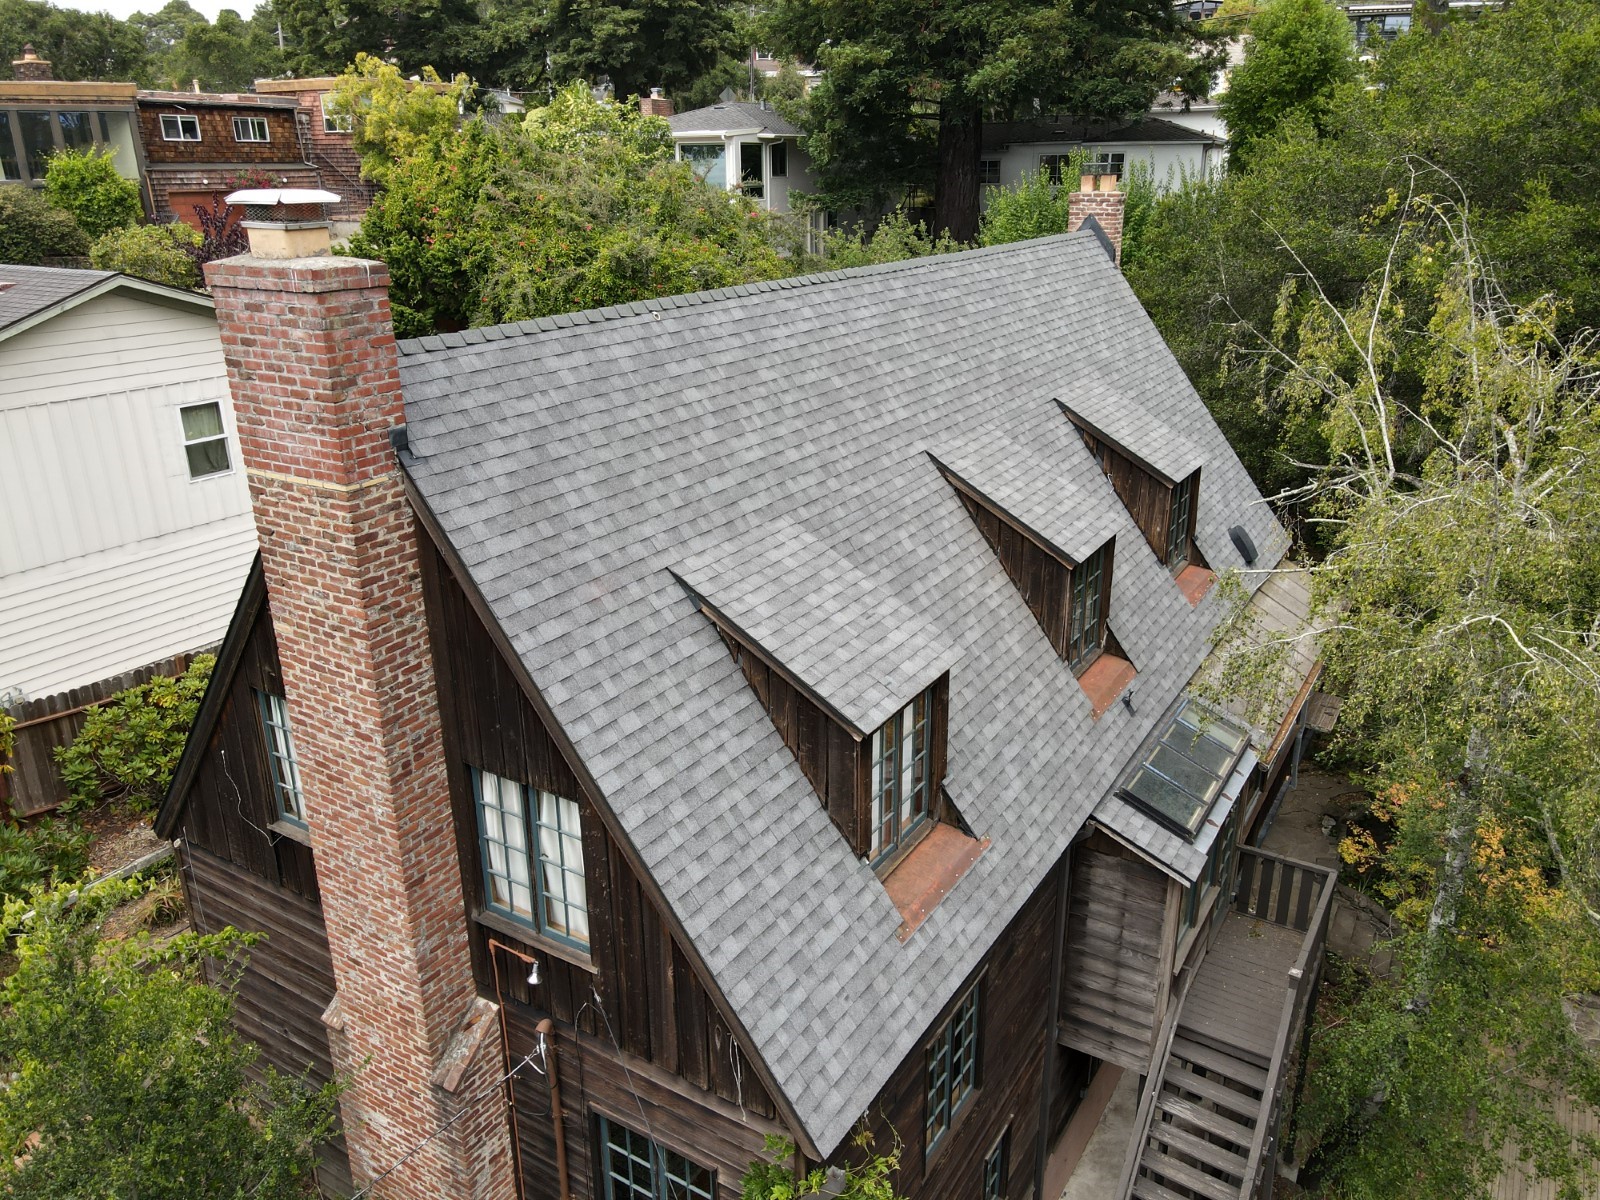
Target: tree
(1297, 54)
(324, 38)
(159, 253)
(774, 1178)
(85, 183)
(33, 231)
(394, 118)
(229, 54)
(79, 45)
(125, 1076)
(1460, 590)
(909, 84)
(638, 44)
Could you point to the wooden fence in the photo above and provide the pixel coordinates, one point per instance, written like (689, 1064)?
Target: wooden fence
(35, 785)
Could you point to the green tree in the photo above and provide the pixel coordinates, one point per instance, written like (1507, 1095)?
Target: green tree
(33, 231)
(229, 54)
(1297, 55)
(324, 38)
(394, 118)
(773, 1178)
(125, 1076)
(638, 44)
(85, 183)
(909, 84)
(79, 45)
(159, 253)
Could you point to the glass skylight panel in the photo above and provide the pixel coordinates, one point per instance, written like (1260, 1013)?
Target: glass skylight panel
(1182, 775)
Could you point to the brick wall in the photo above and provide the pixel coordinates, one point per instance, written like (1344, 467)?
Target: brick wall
(312, 365)
(335, 154)
(1104, 203)
(217, 143)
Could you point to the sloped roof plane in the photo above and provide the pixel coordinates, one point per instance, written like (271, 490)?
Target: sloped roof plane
(576, 463)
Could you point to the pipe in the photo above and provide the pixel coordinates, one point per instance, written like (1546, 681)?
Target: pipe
(505, 1050)
(547, 1029)
(1052, 1045)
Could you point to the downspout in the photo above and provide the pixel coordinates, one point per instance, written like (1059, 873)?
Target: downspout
(546, 1029)
(1052, 1023)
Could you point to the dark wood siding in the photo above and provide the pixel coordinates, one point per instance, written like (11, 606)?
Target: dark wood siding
(1147, 499)
(1016, 1031)
(1113, 980)
(636, 1000)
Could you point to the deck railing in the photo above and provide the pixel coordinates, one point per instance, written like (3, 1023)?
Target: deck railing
(1300, 896)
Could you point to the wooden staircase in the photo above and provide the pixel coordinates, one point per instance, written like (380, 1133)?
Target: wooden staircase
(1208, 1106)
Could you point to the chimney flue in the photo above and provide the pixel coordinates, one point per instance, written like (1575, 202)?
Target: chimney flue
(286, 222)
(656, 103)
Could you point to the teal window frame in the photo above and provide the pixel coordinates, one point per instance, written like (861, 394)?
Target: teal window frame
(997, 1167)
(1180, 516)
(952, 1068)
(636, 1167)
(1086, 608)
(901, 757)
(530, 842)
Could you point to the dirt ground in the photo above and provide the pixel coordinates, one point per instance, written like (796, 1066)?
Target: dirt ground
(118, 838)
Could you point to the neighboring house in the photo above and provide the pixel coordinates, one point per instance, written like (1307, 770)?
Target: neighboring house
(762, 712)
(40, 114)
(329, 141)
(127, 528)
(200, 146)
(741, 146)
(1172, 151)
(1202, 116)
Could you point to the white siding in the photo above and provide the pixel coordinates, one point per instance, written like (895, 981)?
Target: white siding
(110, 555)
(1168, 161)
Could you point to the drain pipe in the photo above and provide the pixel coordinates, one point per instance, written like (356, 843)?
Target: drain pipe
(546, 1029)
(1052, 1023)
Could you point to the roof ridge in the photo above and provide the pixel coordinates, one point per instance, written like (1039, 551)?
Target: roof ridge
(434, 342)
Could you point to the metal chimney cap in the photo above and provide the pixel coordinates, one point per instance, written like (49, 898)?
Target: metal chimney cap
(275, 197)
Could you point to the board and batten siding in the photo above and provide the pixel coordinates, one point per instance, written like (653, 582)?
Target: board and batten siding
(111, 556)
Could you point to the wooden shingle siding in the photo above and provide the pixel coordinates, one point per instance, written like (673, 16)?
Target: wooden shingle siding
(639, 990)
(1147, 499)
(1112, 977)
(217, 144)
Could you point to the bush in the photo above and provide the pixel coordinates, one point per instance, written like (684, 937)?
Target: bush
(1030, 208)
(159, 253)
(33, 230)
(85, 183)
(896, 237)
(130, 745)
(48, 852)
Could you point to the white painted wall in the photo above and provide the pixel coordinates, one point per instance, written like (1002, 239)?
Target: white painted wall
(1168, 161)
(110, 555)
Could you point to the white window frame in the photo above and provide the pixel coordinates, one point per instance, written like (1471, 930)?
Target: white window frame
(252, 126)
(227, 452)
(335, 122)
(283, 768)
(175, 125)
(530, 847)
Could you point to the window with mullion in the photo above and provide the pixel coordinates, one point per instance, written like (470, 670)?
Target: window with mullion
(952, 1068)
(538, 880)
(1178, 523)
(288, 798)
(996, 1168)
(900, 775)
(635, 1167)
(1087, 610)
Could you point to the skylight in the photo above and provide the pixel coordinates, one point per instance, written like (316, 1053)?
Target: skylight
(1180, 778)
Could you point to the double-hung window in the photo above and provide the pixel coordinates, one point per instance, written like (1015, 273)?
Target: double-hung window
(634, 1167)
(531, 844)
(952, 1068)
(282, 767)
(901, 787)
(205, 442)
(1178, 518)
(251, 129)
(1087, 608)
(179, 127)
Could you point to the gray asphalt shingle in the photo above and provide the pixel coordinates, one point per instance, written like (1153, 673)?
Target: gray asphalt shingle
(776, 445)
(25, 291)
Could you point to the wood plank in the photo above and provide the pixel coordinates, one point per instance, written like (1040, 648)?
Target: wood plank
(1223, 1064)
(1196, 1147)
(1215, 1090)
(1190, 1177)
(1145, 1188)
(1207, 1119)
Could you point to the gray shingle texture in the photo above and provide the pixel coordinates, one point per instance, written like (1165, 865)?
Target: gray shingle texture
(33, 289)
(734, 114)
(575, 469)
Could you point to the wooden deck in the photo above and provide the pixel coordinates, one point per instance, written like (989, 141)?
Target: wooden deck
(1236, 1000)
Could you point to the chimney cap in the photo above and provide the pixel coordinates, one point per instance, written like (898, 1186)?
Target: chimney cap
(276, 197)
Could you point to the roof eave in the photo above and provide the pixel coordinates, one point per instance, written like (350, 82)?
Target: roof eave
(156, 293)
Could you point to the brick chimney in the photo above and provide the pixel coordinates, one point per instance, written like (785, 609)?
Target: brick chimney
(30, 68)
(656, 103)
(1100, 197)
(312, 366)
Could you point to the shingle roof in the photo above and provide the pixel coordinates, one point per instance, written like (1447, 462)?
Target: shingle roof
(1073, 130)
(577, 462)
(732, 115)
(34, 289)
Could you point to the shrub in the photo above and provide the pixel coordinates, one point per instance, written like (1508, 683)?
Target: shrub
(130, 745)
(85, 183)
(33, 230)
(1030, 208)
(159, 253)
(896, 237)
(43, 854)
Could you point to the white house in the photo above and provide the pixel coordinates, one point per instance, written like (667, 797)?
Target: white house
(1171, 150)
(745, 146)
(127, 530)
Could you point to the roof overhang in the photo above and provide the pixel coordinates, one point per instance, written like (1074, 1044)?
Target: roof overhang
(155, 293)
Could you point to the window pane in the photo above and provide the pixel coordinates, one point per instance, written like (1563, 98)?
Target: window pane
(201, 421)
(565, 909)
(207, 458)
(77, 133)
(779, 159)
(118, 133)
(750, 176)
(38, 140)
(707, 162)
(9, 167)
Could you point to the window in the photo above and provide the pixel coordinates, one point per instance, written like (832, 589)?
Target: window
(204, 441)
(1054, 165)
(179, 127)
(1101, 162)
(281, 765)
(952, 1068)
(636, 1168)
(708, 162)
(38, 140)
(750, 177)
(1179, 518)
(779, 159)
(9, 167)
(334, 122)
(996, 1168)
(1180, 778)
(988, 172)
(900, 784)
(1218, 872)
(77, 130)
(1087, 615)
(250, 129)
(552, 899)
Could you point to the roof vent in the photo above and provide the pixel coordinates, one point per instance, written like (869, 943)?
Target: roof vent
(1243, 544)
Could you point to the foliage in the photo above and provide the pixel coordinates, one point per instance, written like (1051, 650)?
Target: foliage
(126, 1077)
(638, 44)
(894, 238)
(225, 55)
(1297, 54)
(159, 253)
(46, 852)
(908, 84)
(220, 235)
(395, 118)
(32, 230)
(324, 37)
(773, 1178)
(1030, 208)
(130, 745)
(578, 205)
(85, 183)
(78, 45)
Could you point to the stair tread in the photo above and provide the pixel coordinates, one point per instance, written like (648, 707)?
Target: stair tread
(1195, 1146)
(1190, 1177)
(1205, 1118)
(1214, 1090)
(1219, 1061)
(1145, 1188)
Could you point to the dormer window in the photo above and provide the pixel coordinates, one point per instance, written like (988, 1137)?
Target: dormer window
(1087, 621)
(1180, 523)
(902, 783)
